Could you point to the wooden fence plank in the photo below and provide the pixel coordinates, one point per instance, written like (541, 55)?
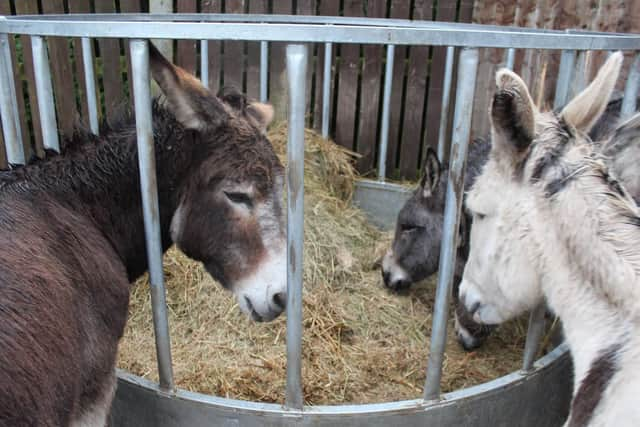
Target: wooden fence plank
(30, 7)
(370, 87)
(488, 12)
(61, 73)
(325, 8)
(418, 68)
(465, 10)
(215, 59)
(348, 71)
(253, 53)
(399, 9)
(5, 9)
(277, 68)
(110, 59)
(233, 73)
(80, 6)
(444, 13)
(129, 6)
(186, 53)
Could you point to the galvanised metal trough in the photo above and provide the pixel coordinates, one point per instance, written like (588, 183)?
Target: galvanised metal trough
(537, 395)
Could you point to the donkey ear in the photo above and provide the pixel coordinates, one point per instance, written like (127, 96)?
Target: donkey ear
(192, 104)
(586, 108)
(262, 113)
(432, 171)
(512, 114)
(233, 97)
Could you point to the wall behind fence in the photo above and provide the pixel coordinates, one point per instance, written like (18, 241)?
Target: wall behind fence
(357, 72)
(539, 68)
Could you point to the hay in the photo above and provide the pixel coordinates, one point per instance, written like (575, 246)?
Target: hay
(360, 343)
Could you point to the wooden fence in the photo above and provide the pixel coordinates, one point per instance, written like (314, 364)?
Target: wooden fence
(357, 72)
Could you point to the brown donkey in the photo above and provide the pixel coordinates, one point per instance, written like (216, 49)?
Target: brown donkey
(72, 241)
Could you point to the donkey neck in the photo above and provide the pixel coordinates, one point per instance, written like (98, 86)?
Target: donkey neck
(100, 177)
(592, 325)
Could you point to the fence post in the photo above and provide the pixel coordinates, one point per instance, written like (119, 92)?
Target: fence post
(565, 73)
(326, 90)
(468, 68)
(629, 103)
(264, 71)
(386, 113)
(148, 187)
(204, 63)
(446, 101)
(44, 90)
(8, 107)
(90, 82)
(296, 71)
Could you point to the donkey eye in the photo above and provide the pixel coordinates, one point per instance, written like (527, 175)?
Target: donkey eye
(410, 227)
(480, 216)
(240, 198)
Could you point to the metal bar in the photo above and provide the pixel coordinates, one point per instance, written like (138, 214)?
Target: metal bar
(148, 187)
(534, 336)
(45, 94)
(468, 67)
(204, 63)
(629, 103)
(326, 89)
(446, 100)
(8, 110)
(565, 73)
(511, 58)
(386, 112)
(579, 80)
(296, 71)
(6, 51)
(299, 31)
(92, 103)
(264, 70)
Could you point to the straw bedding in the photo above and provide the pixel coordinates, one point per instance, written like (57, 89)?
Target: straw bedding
(360, 343)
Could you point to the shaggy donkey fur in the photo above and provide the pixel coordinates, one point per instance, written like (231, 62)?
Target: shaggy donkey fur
(551, 221)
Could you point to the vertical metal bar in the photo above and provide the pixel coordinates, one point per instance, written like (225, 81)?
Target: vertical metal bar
(579, 80)
(92, 103)
(534, 336)
(511, 58)
(446, 100)
(296, 71)
(148, 187)
(629, 103)
(264, 70)
(467, 71)
(8, 111)
(204, 63)
(6, 51)
(386, 112)
(565, 74)
(45, 94)
(326, 89)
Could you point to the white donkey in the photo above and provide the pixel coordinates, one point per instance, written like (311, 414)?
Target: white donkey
(550, 221)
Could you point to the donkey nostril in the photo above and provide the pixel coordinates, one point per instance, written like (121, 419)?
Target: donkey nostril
(280, 300)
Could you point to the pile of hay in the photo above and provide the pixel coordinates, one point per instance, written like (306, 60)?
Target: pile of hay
(361, 343)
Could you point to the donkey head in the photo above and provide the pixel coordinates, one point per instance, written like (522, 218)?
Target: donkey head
(531, 159)
(415, 251)
(229, 209)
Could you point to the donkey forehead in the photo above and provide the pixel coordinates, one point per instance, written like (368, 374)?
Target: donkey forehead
(415, 210)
